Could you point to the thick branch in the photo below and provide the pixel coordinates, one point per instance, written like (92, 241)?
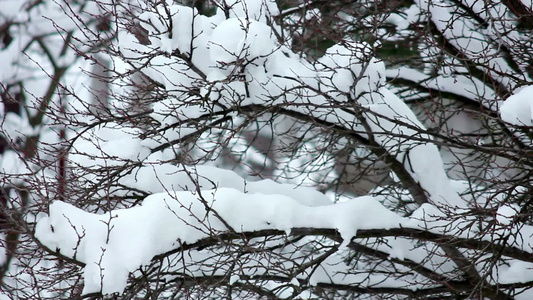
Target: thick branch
(473, 244)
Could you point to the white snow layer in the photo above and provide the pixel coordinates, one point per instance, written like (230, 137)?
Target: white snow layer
(168, 177)
(465, 35)
(164, 220)
(518, 109)
(506, 213)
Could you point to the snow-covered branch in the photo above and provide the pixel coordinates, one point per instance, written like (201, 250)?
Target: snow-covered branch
(266, 149)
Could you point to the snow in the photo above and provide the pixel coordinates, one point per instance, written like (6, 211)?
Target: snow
(233, 279)
(3, 250)
(518, 108)
(182, 34)
(466, 86)
(236, 39)
(359, 277)
(170, 177)
(105, 146)
(258, 10)
(466, 36)
(404, 19)
(400, 247)
(386, 118)
(12, 168)
(351, 61)
(104, 242)
(515, 271)
(506, 213)
(528, 3)
(10, 8)
(306, 295)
